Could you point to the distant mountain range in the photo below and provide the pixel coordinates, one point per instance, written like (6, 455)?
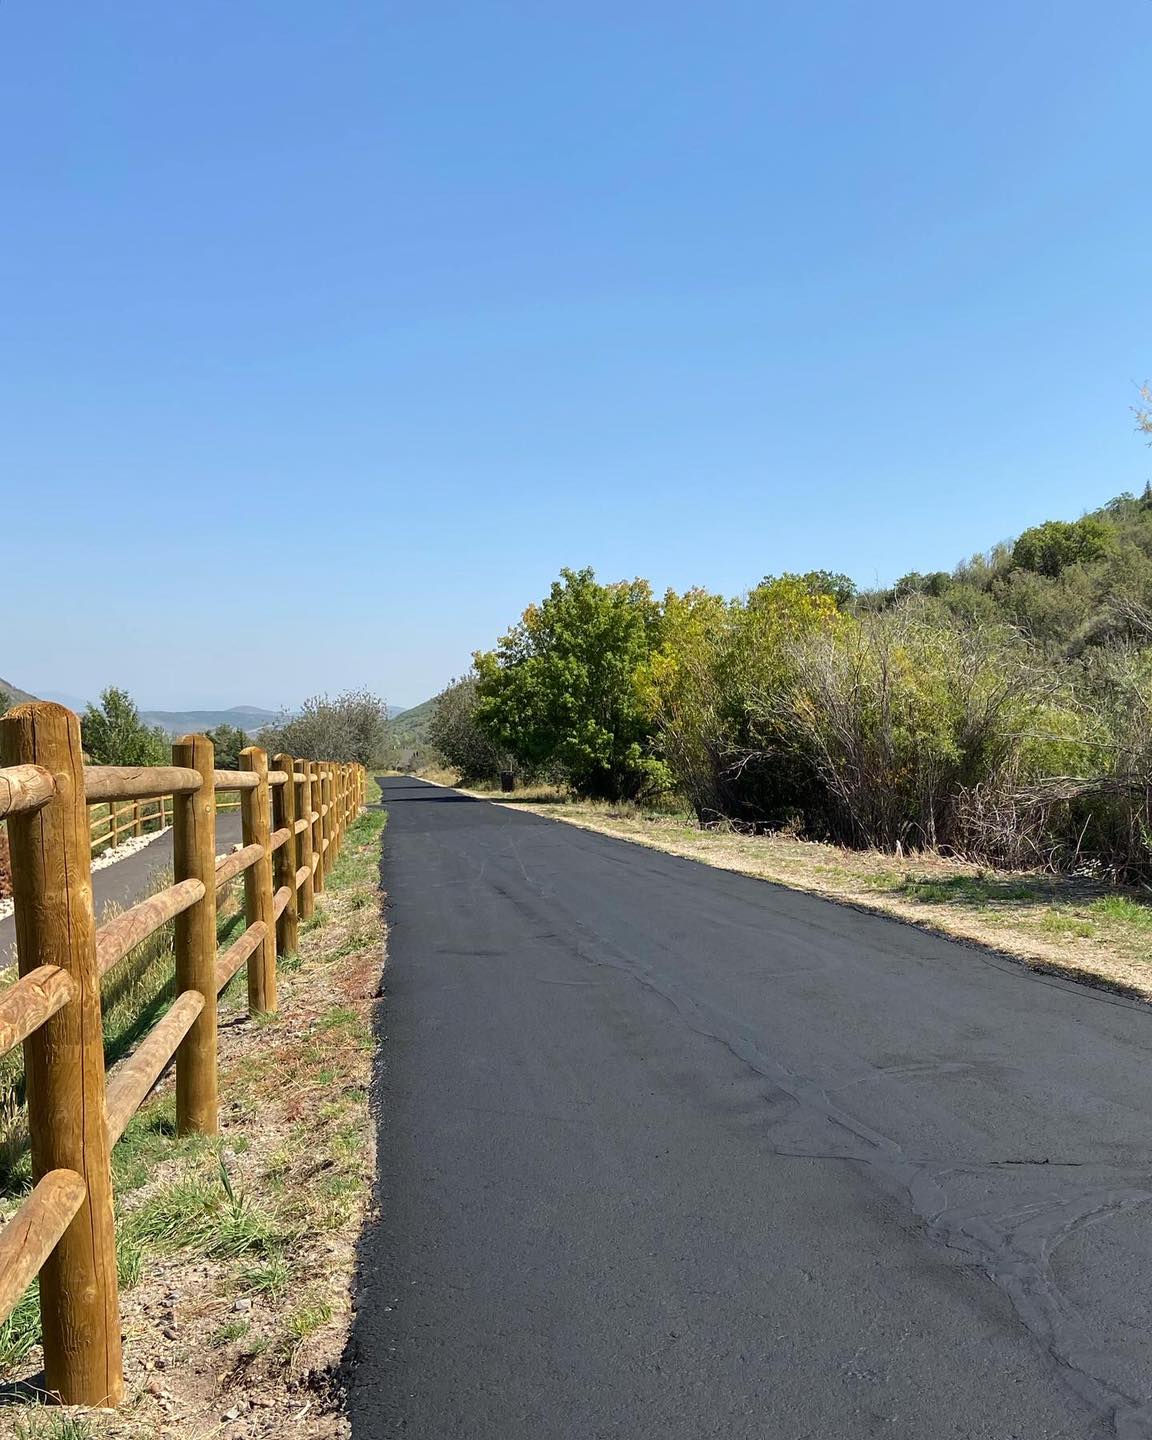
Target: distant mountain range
(175, 722)
(248, 718)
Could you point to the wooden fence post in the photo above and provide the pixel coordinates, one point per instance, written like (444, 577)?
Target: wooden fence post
(318, 824)
(307, 905)
(284, 817)
(329, 817)
(194, 858)
(64, 1058)
(254, 823)
(334, 808)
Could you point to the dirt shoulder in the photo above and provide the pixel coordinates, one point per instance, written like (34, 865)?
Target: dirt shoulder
(236, 1254)
(1073, 926)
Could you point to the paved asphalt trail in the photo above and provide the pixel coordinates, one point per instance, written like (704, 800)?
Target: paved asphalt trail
(130, 879)
(669, 1152)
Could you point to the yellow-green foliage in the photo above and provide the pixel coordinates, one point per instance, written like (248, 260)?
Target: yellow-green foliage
(716, 686)
(1003, 709)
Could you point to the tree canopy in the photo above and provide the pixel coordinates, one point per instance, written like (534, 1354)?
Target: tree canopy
(560, 687)
(352, 727)
(114, 734)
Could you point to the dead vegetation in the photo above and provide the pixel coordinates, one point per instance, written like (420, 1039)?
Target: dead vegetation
(236, 1253)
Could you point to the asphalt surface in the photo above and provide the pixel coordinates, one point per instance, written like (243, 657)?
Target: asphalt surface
(122, 884)
(671, 1152)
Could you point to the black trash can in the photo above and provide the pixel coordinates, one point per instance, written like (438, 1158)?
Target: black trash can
(507, 781)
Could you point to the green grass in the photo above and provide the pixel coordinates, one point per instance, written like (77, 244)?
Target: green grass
(20, 1333)
(360, 858)
(229, 1331)
(1123, 909)
(1065, 925)
(307, 1320)
(967, 890)
(270, 1276)
(49, 1425)
(129, 1259)
(203, 1214)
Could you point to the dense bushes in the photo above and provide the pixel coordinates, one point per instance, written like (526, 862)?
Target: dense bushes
(353, 727)
(1003, 710)
(1050, 548)
(458, 737)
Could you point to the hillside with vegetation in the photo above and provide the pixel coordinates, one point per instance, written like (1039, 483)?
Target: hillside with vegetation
(409, 740)
(410, 727)
(11, 695)
(249, 718)
(1001, 711)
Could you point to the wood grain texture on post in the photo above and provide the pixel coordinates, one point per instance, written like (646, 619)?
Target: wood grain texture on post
(64, 1058)
(305, 896)
(284, 816)
(194, 858)
(255, 821)
(318, 825)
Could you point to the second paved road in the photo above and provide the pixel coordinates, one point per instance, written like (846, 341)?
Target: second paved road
(670, 1152)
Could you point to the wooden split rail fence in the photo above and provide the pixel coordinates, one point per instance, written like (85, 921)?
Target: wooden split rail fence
(293, 819)
(117, 821)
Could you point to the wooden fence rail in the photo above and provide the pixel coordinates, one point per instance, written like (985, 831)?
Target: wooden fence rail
(121, 819)
(294, 817)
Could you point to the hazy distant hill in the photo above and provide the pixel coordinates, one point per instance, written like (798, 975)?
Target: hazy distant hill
(195, 722)
(249, 718)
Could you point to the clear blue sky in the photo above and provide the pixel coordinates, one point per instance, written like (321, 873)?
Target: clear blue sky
(342, 327)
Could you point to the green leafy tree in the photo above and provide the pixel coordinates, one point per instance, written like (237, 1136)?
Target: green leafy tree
(562, 687)
(1050, 548)
(5, 701)
(456, 732)
(353, 727)
(228, 741)
(935, 584)
(841, 588)
(114, 734)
